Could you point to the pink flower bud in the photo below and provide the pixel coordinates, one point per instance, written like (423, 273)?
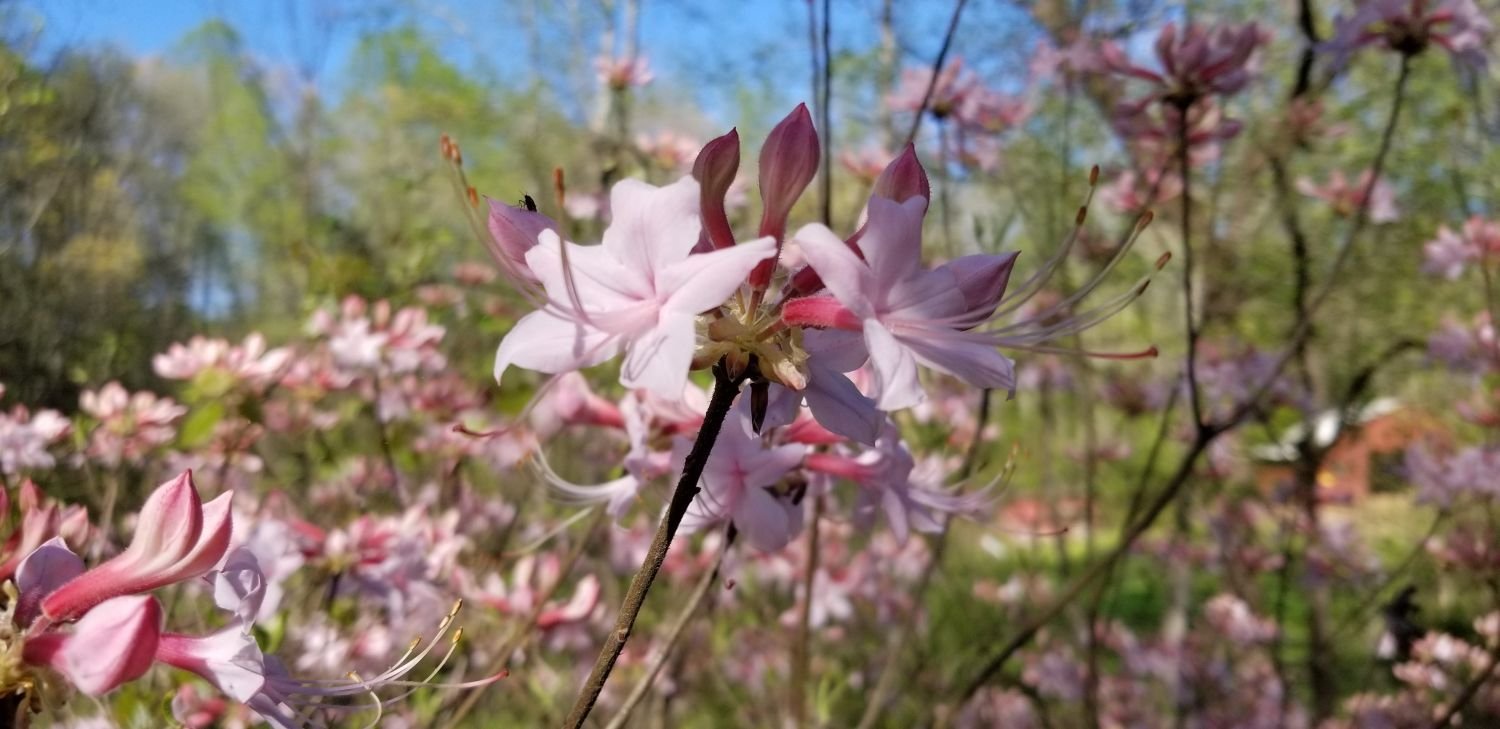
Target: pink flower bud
(113, 644)
(513, 232)
(715, 169)
(788, 162)
(177, 537)
(903, 179)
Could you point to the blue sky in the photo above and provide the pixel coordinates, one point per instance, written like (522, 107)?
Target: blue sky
(683, 37)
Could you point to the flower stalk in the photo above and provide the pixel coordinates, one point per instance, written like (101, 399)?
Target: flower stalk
(726, 387)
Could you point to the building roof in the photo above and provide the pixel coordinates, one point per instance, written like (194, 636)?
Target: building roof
(1326, 427)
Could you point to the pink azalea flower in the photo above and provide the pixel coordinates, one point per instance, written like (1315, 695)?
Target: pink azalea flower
(1234, 619)
(908, 314)
(1410, 26)
(990, 111)
(639, 292)
(1450, 253)
(647, 420)
(668, 150)
(230, 659)
(1070, 60)
(197, 711)
(865, 163)
(1130, 192)
(623, 73)
(372, 339)
(130, 425)
(177, 537)
(25, 438)
(567, 401)
(1155, 131)
(1195, 63)
(1347, 198)
(1444, 479)
(891, 482)
(532, 579)
(1470, 348)
(735, 485)
(248, 363)
(953, 86)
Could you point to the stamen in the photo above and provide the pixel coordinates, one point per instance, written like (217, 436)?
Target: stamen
(1032, 285)
(479, 225)
(1103, 273)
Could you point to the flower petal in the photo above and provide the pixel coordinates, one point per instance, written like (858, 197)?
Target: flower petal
(546, 342)
(659, 360)
(704, 280)
(895, 368)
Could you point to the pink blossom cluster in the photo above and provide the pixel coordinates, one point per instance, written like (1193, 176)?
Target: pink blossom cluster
(101, 627)
(1219, 673)
(26, 438)
(976, 111)
(1348, 197)
(623, 72)
(1451, 252)
(1198, 67)
(1409, 27)
(248, 364)
(834, 345)
(129, 425)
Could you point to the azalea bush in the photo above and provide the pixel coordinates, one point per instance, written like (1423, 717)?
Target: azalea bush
(1139, 370)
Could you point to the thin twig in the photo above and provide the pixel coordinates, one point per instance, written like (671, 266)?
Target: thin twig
(1185, 171)
(1203, 438)
(1303, 327)
(825, 114)
(801, 644)
(523, 628)
(726, 387)
(937, 68)
(886, 684)
(1470, 690)
(659, 661)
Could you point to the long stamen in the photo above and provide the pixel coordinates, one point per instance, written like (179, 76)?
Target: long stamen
(1026, 290)
(1147, 353)
(478, 226)
(1091, 316)
(1072, 325)
(1103, 273)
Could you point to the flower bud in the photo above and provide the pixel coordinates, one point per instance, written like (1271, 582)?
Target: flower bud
(177, 537)
(903, 179)
(715, 170)
(788, 162)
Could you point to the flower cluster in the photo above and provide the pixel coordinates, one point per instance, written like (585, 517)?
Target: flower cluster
(976, 112)
(101, 627)
(1451, 252)
(1409, 27)
(830, 347)
(1348, 197)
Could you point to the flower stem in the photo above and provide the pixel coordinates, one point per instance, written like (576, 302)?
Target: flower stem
(726, 387)
(670, 640)
(801, 652)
